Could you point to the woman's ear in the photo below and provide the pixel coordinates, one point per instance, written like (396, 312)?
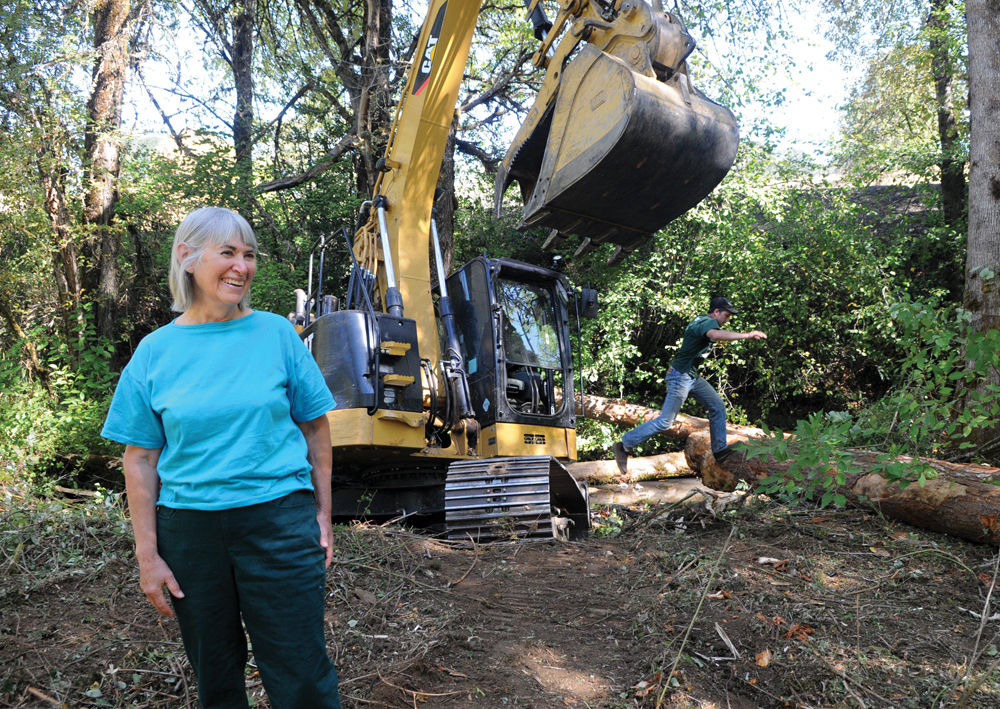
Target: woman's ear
(182, 252)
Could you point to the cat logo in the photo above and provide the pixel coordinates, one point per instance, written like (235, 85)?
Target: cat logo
(534, 439)
(427, 56)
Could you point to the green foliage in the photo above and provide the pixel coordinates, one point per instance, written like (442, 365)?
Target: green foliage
(60, 416)
(595, 438)
(941, 401)
(890, 120)
(943, 398)
(903, 142)
(812, 264)
(607, 522)
(816, 460)
(803, 260)
(48, 541)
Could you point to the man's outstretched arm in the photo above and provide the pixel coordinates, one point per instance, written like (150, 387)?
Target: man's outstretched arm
(719, 335)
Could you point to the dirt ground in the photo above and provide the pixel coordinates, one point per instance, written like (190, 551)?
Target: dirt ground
(666, 604)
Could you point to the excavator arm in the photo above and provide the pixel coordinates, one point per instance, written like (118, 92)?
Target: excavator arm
(618, 142)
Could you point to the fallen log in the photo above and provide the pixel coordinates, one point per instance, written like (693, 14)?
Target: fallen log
(622, 413)
(962, 501)
(655, 467)
(683, 493)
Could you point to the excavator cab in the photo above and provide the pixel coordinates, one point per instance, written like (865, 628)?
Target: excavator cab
(513, 325)
(619, 142)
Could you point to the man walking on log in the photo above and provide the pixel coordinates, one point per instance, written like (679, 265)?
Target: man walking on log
(682, 381)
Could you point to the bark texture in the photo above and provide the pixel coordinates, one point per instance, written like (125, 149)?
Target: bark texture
(102, 160)
(445, 201)
(953, 191)
(656, 467)
(982, 270)
(241, 60)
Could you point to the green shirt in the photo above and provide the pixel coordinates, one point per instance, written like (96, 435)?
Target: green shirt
(695, 346)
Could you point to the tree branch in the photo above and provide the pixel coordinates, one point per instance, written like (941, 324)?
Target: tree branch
(348, 142)
(499, 85)
(472, 150)
(163, 115)
(281, 114)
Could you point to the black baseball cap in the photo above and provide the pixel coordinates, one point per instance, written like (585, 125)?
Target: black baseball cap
(722, 304)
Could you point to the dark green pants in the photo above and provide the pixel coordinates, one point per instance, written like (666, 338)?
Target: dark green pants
(264, 564)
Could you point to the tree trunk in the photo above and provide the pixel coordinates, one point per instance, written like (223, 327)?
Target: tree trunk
(982, 270)
(963, 500)
(953, 194)
(373, 112)
(656, 467)
(244, 26)
(622, 413)
(33, 364)
(102, 161)
(444, 200)
(65, 271)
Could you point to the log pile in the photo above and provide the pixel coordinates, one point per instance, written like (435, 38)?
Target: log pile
(963, 500)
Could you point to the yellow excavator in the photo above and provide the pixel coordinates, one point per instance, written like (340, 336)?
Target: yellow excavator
(454, 393)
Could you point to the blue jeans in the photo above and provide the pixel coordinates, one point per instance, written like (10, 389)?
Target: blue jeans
(260, 566)
(679, 387)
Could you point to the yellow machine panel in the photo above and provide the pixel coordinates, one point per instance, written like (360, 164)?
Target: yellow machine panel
(518, 439)
(387, 429)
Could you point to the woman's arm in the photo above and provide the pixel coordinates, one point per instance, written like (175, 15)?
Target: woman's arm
(317, 433)
(142, 485)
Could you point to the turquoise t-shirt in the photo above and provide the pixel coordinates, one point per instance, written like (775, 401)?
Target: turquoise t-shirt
(696, 345)
(221, 400)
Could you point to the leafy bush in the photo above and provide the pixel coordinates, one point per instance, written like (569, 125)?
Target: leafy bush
(802, 265)
(941, 405)
(60, 416)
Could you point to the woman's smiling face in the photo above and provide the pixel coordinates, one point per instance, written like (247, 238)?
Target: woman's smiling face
(223, 274)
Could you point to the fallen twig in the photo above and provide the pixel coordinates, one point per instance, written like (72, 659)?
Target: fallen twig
(976, 652)
(475, 559)
(417, 695)
(39, 694)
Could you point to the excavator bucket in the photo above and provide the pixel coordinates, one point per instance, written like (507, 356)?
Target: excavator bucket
(618, 154)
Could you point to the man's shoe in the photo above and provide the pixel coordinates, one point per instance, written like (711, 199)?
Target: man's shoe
(722, 455)
(621, 457)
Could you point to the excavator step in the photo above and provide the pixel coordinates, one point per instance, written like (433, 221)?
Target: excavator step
(394, 349)
(523, 497)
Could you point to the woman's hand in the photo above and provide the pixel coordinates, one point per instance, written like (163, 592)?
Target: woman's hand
(325, 535)
(154, 574)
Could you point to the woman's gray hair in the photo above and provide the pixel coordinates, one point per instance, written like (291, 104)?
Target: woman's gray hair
(208, 226)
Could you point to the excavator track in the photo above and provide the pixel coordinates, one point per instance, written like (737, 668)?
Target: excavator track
(521, 497)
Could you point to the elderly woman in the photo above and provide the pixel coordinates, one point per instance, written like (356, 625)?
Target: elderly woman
(227, 468)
